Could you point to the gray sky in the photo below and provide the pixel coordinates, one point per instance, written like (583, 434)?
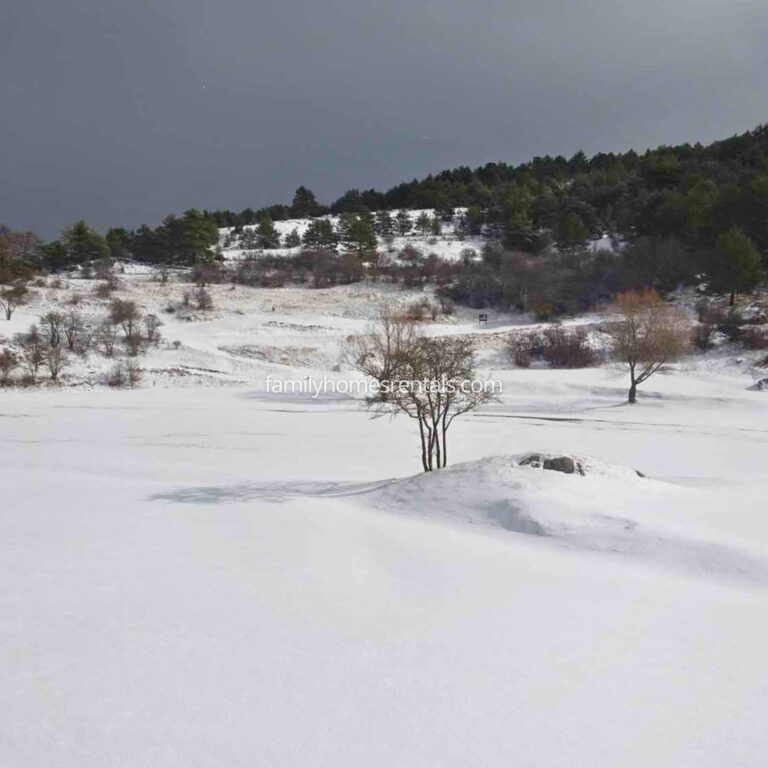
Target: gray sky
(120, 112)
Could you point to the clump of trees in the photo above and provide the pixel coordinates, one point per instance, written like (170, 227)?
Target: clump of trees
(432, 380)
(51, 344)
(648, 335)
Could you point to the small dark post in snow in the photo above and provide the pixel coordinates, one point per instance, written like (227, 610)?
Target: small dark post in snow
(483, 318)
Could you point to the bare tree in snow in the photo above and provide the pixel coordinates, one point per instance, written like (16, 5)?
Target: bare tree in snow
(13, 297)
(649, 335)
(432, 380)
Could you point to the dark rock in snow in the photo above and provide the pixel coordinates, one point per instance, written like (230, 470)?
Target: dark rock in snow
(761, 386)
(561, 464)
(566, 464)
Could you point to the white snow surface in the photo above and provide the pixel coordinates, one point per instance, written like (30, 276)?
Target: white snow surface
(208, 576)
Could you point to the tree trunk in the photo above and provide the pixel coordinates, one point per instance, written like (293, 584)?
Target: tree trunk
(632, 393)
(423, 446)
(733, 299)
(445, 446)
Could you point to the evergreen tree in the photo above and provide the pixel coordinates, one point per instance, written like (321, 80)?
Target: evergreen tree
(423, 222)
(82, 244)
(304, 205)
(54, 256)
(473, 220)
(572, 232)
(383, 225)
(118, 241)
(736, 264)
(189, 239)
(320, 234)
(358, 236)
(403, 221)
(293, 239)
(266, 235)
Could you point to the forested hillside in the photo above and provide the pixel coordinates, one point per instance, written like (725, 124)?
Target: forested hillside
(676, 215)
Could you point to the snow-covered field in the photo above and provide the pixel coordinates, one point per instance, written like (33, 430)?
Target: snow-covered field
(208, 576)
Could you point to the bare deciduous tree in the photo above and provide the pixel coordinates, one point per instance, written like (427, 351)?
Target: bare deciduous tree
(52, 324)
(73, 328)
(432, 380)
(13, 297)
(106, 336)
(133, 341)
(133, 372)
(151, 324)
(648, 335)
(125, 314)
(8, 364)
(56, 359)
(124, 372)
(33, 350)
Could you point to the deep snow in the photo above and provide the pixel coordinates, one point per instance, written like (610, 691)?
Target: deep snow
(219, 576)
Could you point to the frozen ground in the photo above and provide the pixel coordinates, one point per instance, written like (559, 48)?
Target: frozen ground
(218, 576)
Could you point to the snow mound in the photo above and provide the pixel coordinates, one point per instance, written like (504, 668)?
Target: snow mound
(609, 509)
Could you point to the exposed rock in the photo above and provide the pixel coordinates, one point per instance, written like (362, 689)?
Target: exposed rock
(761, 385)
(566, 464)
(561, 464)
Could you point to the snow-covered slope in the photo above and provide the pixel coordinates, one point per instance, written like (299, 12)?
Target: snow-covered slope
(221, 576)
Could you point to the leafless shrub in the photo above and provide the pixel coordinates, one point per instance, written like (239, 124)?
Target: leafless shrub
(117, 376)
(9, 362)
(104, 269)
(133, 342)
(520, 348)
(447, 306)
(417, 311)
(56, 359)
(33, 348)
(133, 373)
(203, 299)
(124, 373)
(75, 299)
(207, 273)
(754, 337)
(568, 348)
(702, 336)
(151, 324)
(106, 336)
(102, 291)
(543, 311)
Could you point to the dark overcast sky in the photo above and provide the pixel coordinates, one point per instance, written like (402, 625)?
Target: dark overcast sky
(120, 112)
